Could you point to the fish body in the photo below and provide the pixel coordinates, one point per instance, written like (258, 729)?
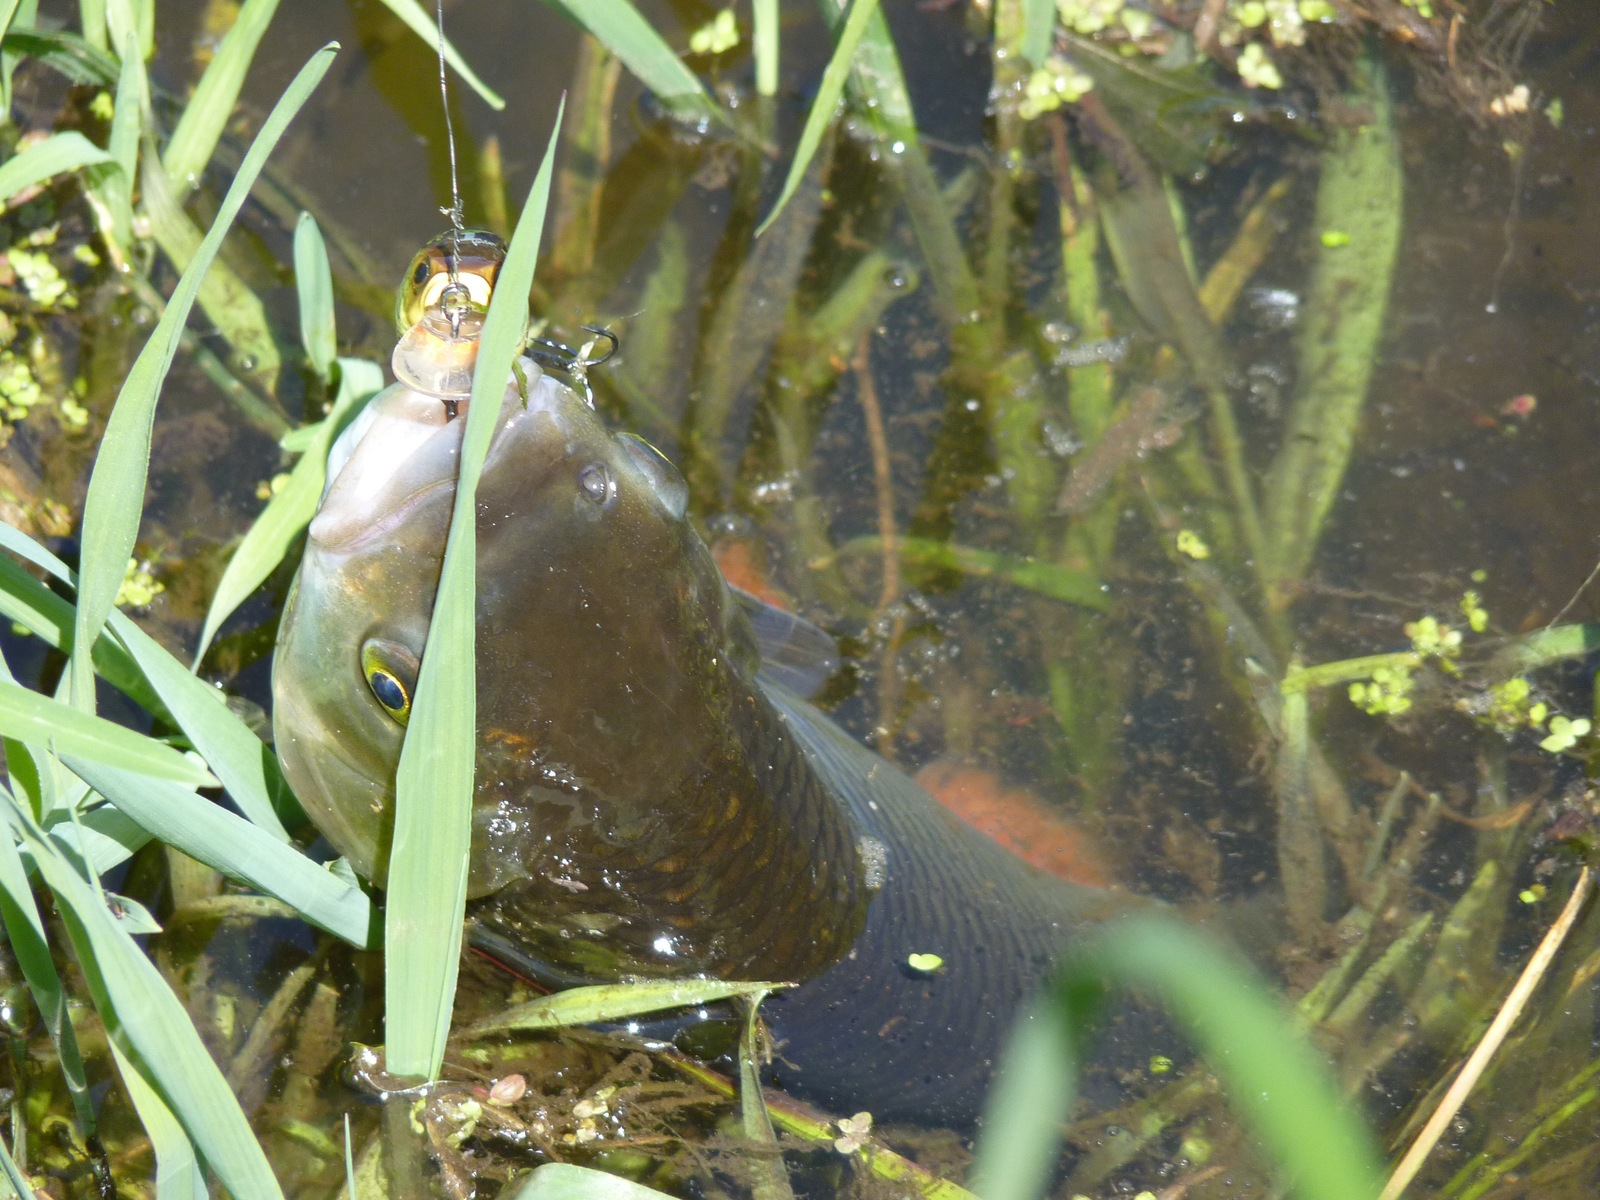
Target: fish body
(651, 798)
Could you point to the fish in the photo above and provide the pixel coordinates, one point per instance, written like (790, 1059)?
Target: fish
(654, 795)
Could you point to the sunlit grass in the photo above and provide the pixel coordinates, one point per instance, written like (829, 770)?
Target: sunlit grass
(145, 787)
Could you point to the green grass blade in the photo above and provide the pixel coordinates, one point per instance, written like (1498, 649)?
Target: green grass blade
(563, 1181)
(246, 766)
(1031, 1099)
(288, 513)
(622, 30)
(613, 1002)
(826, 104)
(765, 45)
(57, 153)
(92, 20)
(127, 125)
(44, 614)
(8, 14)
(63, 52)
(1038, 24)
(427, 881)
(30, 717)
(206, 115)
(150, 1025)
(313, 281)
(115, 498)
(1277, 1081)
(425, 25)
(26, 934)
(104, 837)
(212, 835)
(13, 1173)
(225, 298)
(178, 1173)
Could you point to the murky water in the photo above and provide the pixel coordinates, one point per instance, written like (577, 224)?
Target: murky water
(1135, 723)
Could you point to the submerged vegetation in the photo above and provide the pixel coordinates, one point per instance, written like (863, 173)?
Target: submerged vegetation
(1063, 443)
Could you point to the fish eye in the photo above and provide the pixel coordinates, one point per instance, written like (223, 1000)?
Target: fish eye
(420, 275)
(597, 483)
(390, 693)
(390, 673)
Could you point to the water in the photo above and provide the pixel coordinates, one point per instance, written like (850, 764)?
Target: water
(1148, 738)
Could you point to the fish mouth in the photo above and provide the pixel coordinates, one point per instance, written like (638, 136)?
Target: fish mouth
(404, 451)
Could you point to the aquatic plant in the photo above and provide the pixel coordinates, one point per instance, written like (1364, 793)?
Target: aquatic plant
(787, 325)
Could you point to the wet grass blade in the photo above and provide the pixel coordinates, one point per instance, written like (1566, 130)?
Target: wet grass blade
(115, 498)
(8, 14)
(1358, 223)
(423, 23)
(1070, 584)
(764, 45)
(127, 124)
(212, 835)
(1037, 1072)
(1038, 24)
(427, 877)
(46, 615)
(1275, 1079)
(57, 153)
(26, 935)
(313, 281)
(150, 1025)
(823, 108)
(225, 298)
(623, 31)
(30, 717)
(178, 1172)
(614, 1002)
(206, 115)
(286, 515)
(246, 766)
(65, 53)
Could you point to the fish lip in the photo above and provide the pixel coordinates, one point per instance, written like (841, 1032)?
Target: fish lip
(344, 535)
(359, 536)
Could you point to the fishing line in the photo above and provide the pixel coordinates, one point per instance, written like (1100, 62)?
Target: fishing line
(454, 298)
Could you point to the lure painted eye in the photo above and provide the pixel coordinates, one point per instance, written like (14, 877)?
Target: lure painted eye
(390, 671)
(596, 483)
(478, 256)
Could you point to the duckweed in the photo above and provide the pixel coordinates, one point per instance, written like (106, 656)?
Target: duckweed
(716, 36)
(139, 586)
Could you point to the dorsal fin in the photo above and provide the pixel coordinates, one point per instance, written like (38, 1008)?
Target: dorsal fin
(794, 652)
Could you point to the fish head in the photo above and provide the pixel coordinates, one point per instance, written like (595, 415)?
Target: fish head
(600, 620)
